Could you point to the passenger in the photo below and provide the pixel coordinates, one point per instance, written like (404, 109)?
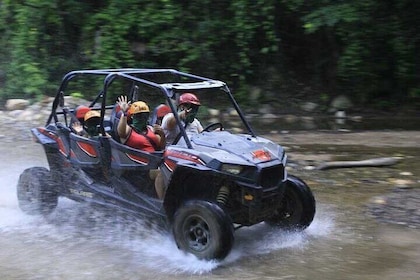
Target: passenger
(161, 111)
(141, 136)
(91, 122)
(80, 113)
(138, 135)
(188, 106)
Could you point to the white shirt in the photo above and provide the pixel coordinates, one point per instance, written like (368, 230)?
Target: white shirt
(193, 127)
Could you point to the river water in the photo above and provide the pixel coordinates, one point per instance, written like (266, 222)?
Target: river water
(78, 242)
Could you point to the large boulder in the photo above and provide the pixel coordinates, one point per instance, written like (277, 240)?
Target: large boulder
(341, 102)
(16, 104)
(309, 106)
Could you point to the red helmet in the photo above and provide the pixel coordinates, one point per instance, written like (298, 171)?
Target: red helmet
(162, 110)
(188, 98)
(80, 112)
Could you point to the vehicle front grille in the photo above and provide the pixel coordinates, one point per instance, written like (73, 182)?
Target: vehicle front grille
(271, 176)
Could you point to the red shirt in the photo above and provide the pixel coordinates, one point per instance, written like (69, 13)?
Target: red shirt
(141, 141)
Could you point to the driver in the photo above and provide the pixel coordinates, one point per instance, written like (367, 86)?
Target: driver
(188, 105)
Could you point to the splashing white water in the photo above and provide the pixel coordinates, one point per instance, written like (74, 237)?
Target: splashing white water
(147, 246)
(91, 235)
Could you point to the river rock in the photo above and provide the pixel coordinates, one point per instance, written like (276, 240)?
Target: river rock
(341, 102)
(16, 104)
(265, 109)
(291, 118)
(214, 112)
(340, 114)
(309, 106)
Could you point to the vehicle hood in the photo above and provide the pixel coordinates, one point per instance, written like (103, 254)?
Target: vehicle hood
(235, 148)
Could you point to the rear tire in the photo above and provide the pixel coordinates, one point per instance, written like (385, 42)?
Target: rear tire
(203, 229)
(297, 208)
(35, 191)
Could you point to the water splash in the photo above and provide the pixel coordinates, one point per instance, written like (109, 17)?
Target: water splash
(135, 242)
(147, 245)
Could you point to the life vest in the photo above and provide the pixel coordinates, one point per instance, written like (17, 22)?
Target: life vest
(145, 142)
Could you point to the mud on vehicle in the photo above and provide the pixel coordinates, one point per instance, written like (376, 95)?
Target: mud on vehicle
(217, 181)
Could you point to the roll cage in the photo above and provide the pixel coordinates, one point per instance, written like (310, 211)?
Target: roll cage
(166, 81)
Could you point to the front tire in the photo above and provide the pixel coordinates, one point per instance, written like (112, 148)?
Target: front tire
(297, 208)
(35, 192)
(203, 229)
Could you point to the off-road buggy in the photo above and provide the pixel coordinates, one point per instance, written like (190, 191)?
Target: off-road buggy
(217, 181)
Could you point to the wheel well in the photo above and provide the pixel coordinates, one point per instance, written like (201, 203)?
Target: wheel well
(189, 183)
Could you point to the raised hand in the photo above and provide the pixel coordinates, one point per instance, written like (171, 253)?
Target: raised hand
(77, 127)
(123, 103)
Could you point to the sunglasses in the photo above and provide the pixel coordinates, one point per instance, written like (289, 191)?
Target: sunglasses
(141, 116)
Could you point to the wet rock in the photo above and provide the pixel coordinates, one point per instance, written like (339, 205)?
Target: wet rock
(400, 182)
(309, 167)
(379, 200)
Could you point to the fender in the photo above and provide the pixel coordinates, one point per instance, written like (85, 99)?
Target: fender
(40, 136)
(190, 181)
(52, 141)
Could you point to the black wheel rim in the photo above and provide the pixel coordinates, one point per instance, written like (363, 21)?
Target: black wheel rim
(196, 233)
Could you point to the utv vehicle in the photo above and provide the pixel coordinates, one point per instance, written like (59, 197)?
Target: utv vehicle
(217, 181)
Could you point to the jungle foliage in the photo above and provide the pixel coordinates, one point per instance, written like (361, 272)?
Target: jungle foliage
(364, 48)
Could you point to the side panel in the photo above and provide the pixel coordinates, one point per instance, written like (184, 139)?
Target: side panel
(124, 157)
(55, 142)
(84, 151)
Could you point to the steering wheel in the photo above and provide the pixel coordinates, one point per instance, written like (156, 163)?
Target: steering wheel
(213, 126)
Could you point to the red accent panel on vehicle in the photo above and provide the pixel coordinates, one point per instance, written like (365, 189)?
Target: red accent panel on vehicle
(185, 156)
(52, 135)
(170, 164)
(88, 149)
(61, 146)
(138, 159)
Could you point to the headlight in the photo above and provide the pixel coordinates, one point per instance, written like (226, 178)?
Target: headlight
(232, 168)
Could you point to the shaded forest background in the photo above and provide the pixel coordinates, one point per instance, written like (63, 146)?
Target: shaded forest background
(266, 50)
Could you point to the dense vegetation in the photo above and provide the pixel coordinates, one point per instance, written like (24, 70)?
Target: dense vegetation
(366, 49)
